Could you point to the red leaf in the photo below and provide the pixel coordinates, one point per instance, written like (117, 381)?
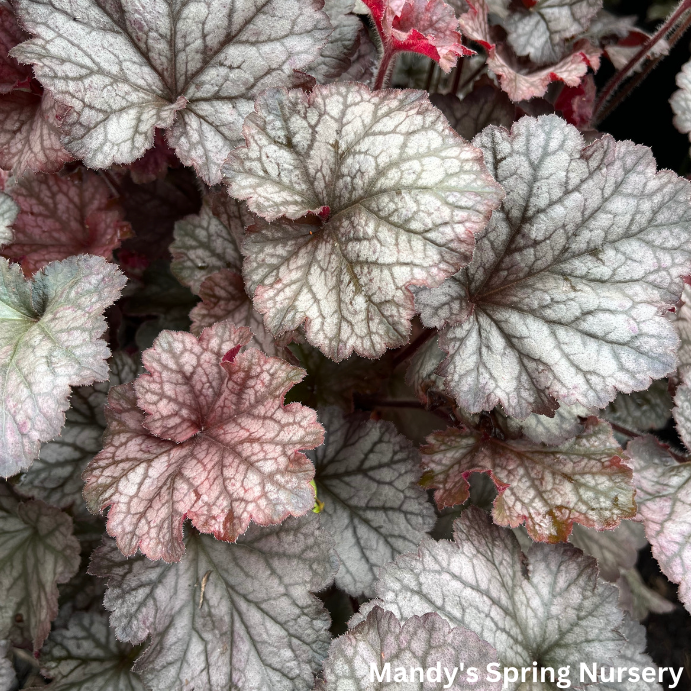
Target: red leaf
(63, 216)
(576, 103)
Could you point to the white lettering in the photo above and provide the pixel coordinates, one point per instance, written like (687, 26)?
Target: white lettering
(675, 679)
(385, 672)
(450, 677)
(493, 672)
(592, 675)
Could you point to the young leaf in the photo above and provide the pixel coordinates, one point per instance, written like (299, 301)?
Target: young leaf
(642, 410)
(421, 642)
(8, 213)
(56, 476)
(30, 133)
(86, 656)
(204, 435)
(224, 298)
(126, 69)
(61, 216)
(547, 605)
(540, 32)
(49, 341)
(586, 480)
(205, 243)
(399, 195)
(235, 616)
(366, 475)
(663, 495)
(517, 80)
(335, 57)
(553, 431)
(428, 27)
(565, 296)
(37, 551)
(485, 105)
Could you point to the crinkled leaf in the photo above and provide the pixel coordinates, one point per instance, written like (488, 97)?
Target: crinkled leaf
(636, 598)
(519, 81)
(485, 105)
(86, 656)
(663, 495)
(682, 324)
(125, 69)
(8, 213)
(37, 551)
(154, 164)
(8, 678)
(642, 410)
(11, 72)
(205, 243)
(400, 194)
(56, 476)
(681, 100)
(30, 133)
(585, 480)
(565, 425)
(682, 413)
(335, 57)
(428, 27)
(50, 330)
(547, 605)
(541, 31)
(565, 295)
(224, 298)
(421, 373)
(235, 616)
(61, 216)
(366, 476)
(421, 642)
(214, 444)
(364, 61)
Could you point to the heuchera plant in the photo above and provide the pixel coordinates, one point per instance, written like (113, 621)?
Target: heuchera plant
(328, 311)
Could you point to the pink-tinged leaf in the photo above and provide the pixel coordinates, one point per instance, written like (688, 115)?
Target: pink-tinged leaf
(227, 450)
(126, 69)
(238, 616)
(519, 81)
(224, 298)
(154, 164)
(576, 103)
(8, 213)
(547, 604)
(61, 216)
(540, 32)
(30, 133)
(11, 71)
(406, 217)
(663, 495)
(50, 330)
(485, 105)
(37, 552)
(424, 642)
(585, 480)
(209, 241)
(566, 296)
(682, 324)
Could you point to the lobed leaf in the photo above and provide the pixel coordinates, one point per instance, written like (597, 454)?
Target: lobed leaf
(642, 410)
(37, 551)
(565, 296)
(663, 495)
(49, 341)
(8, 213)
(366, 476)
(547, 605)
(11, 72)
(682, 325)
(681, 100)
(61, 216)
(86, 656)
(423, 642)
(235, 616)
(585, 480)
(203, 435)
(397, 197)
(125, 69)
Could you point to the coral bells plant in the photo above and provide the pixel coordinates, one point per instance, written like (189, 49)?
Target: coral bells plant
(342, 347)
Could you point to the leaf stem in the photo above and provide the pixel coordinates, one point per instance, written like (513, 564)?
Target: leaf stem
(622, 74)
(412, 348)
(384, 65)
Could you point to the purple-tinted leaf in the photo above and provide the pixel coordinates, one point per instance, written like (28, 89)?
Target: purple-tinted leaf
(396, 195)
(11, 72)
(237, 616)
(366, 476)
(585, 480)
(565, 296)
(37, 551)
(8, 213)
(663, 495)
(61, 216)
(50, 330)
(126, 68)
(424, 642)
(204, 435)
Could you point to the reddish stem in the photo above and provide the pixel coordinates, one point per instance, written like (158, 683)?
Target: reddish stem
(623, 73)
(384, 65)
(410, 350)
